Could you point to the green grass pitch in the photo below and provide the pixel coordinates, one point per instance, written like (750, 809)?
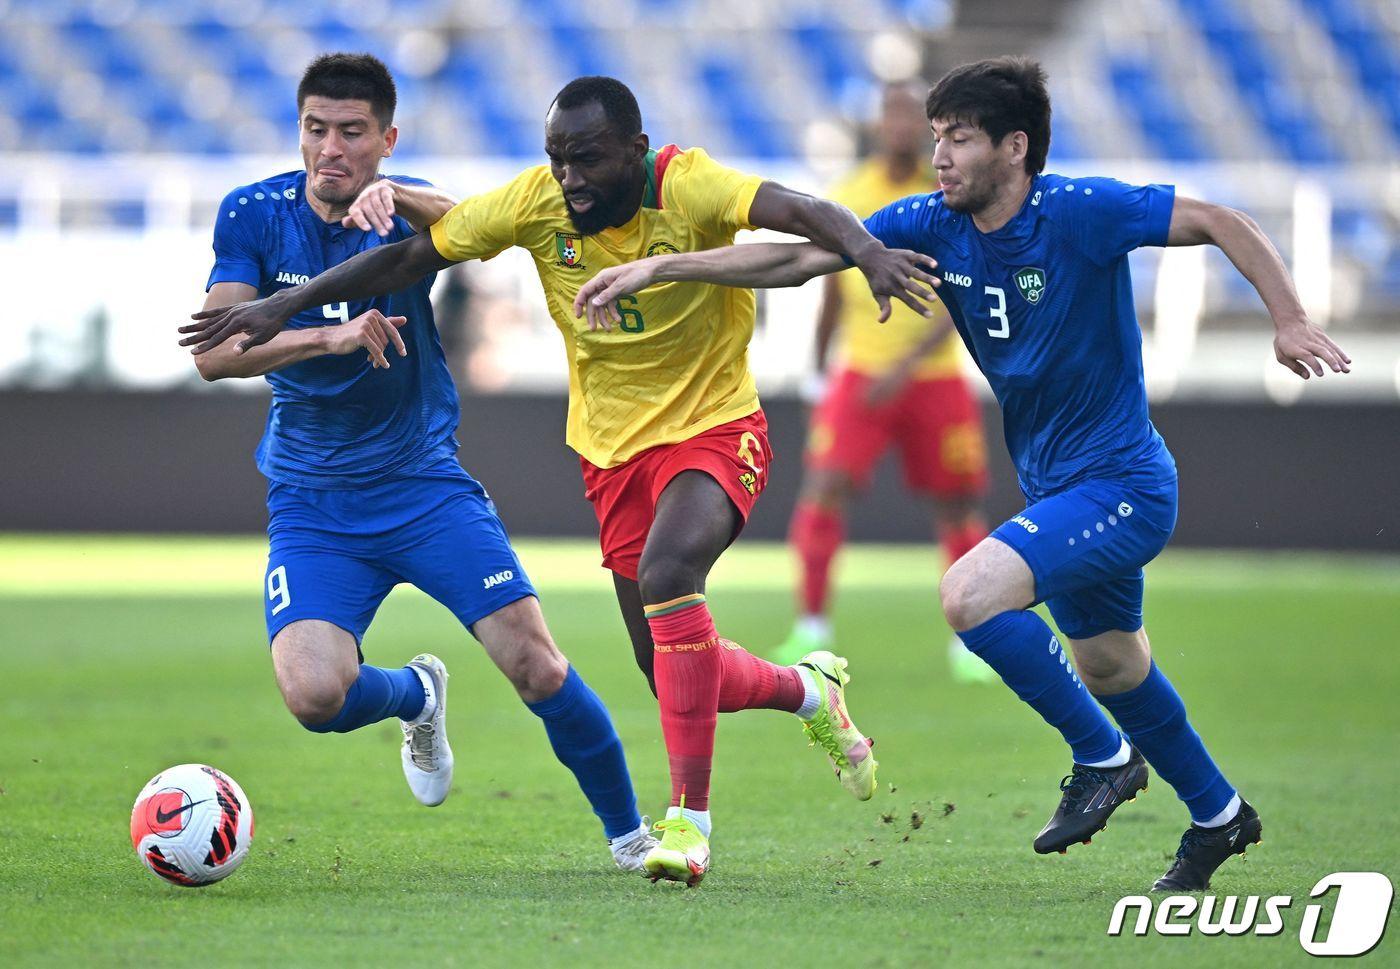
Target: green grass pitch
(124, 656)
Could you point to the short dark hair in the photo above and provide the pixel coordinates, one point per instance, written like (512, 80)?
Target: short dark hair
(1000, 95)
(351, 77)
(617, 100)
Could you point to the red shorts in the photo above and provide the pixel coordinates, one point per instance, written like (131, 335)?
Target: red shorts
(736, 455)
(935, 423)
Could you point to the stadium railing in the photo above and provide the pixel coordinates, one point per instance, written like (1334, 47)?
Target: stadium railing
(114, 252)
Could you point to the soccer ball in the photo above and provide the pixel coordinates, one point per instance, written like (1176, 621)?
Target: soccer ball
(192, 825)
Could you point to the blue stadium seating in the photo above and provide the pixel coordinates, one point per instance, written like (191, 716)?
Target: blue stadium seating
(1164, 124)
(1260, 81)
(1362, 42)
(739, 95)
(146, 55)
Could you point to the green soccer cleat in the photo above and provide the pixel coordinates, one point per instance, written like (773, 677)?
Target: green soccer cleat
(802, 640)
(683, 854)
(831, 727)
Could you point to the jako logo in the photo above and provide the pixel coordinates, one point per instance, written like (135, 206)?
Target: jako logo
(294, 278)
(958, 279)
(1026, 523)
(1358, 918)
(495, 580)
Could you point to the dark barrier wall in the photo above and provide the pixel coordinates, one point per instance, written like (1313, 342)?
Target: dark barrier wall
(1253, 475)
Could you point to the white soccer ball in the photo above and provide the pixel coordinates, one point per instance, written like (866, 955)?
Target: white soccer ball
(192, 825)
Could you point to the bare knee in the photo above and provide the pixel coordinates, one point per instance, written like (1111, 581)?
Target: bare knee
(315, 663)
(314, 701)
(1096, 668)
(965, 604)
(989, 580)
(1112, 662)
(536, 669)
(663, 576)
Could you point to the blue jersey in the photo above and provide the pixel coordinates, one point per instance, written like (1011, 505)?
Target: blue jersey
(1045, 307)
(336, 422)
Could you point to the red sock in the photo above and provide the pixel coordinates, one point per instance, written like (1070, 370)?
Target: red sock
(750, 683)
(958, 541)
(816, 532)
(688, 671)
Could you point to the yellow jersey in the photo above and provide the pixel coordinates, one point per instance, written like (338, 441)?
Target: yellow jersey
(863, 344)
(678, 363)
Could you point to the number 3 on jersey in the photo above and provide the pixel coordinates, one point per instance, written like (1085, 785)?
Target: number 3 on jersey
(998, 312)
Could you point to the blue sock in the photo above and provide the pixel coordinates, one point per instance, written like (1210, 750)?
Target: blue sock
(1154, 718)
(376, 695)
(582, 735)
(1022, 649)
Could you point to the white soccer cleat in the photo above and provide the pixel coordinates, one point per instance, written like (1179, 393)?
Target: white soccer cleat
(630, 850)
(427, 757)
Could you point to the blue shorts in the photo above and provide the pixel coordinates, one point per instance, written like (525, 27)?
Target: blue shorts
(1086, 547)
(334, 555)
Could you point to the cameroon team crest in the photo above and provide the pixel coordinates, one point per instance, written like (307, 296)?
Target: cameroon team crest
(1031, 282)
(570, 249)
(661, 249)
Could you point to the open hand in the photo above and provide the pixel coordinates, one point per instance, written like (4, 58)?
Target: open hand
(1302, 346)
(598, 297)
(258, 318)
(902, 275)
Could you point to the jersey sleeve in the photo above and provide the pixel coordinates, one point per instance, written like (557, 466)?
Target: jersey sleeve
(1106, 218)
(238, 247)
(482, 226)
(712, 196)
(895, 225)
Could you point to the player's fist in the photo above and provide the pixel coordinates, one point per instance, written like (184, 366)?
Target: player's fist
(373, 331)
(373, 208)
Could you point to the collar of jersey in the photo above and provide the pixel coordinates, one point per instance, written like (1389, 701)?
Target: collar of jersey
(649, 200)
(1022, 224)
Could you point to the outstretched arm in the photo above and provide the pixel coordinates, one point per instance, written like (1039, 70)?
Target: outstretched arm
(1299, 344)
(765, 265)
(383, 269)
(375, 207)
(836, 229)
(371, 331)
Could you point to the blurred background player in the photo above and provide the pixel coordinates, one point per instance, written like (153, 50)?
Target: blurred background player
(672, 440)
(900, 383)
(365, 490)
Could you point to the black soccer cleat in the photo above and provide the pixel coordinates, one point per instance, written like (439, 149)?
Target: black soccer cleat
(1205, 849)
(1091, 794)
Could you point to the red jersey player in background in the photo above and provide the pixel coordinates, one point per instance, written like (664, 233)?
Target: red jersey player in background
(899, 383)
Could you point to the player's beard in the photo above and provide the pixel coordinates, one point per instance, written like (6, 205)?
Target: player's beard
(606, 212)
(976, 196)
(332, 195)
